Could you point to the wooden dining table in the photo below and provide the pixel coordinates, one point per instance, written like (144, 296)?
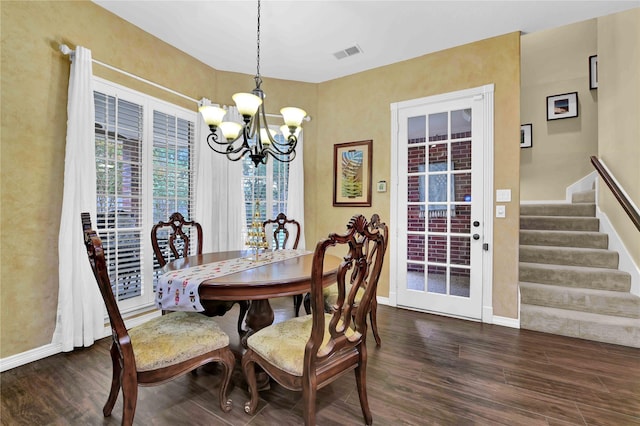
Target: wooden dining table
(257, 284)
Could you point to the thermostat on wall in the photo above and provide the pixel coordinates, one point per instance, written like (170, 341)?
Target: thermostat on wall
(382, 186)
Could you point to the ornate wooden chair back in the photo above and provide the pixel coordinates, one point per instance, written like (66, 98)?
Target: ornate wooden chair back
(337, 340)
(172, 239)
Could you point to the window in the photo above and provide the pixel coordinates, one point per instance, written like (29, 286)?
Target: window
(267, 184)
(144, 164)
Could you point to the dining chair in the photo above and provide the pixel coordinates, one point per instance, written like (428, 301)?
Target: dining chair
(281, 236)
(172, 240)
(156, 351)
(330, 293)
(309, 352)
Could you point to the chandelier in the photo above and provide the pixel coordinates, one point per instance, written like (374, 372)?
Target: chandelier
(253, 136)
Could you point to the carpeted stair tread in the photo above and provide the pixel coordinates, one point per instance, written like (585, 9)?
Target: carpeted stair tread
(575, 276)
(563, 209)
(581, 299)
(584, 325)
(576, 256)
(564, 238)
(560, 223)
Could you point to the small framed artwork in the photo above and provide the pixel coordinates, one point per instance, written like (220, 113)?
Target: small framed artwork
(526, 136)
(593, 72)
(352, 174)
(562, 106)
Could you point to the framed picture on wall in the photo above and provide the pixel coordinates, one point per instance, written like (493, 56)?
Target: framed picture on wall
(593, 72)
(562, 106)
(526, 136)
(352, 174)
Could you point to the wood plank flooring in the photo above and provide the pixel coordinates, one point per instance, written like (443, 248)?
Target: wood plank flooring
(430, 370)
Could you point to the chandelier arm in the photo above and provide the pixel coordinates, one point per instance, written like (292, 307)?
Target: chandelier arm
(283, 159)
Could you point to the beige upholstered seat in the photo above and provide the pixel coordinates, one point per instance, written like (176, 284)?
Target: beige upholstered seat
(307, 353)
(330, 293)
(159, 350)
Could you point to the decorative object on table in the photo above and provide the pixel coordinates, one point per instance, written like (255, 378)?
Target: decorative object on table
(562, 106)
(159, 350)
(306, 353)
(255, 234)
(352, 174)
(593, 72)
(254, 136)
(172, 240)
(526, 136)
(281, 236)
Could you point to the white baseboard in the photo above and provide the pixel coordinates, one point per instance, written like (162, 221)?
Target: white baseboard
(625, 261)
(23, 358)
(383, 301)
(45, 351)
(506, 322)
(585, 184)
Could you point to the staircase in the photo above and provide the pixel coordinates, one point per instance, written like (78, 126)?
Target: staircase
(569, 281)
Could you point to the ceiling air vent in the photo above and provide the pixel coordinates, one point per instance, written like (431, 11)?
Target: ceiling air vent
(349, 51)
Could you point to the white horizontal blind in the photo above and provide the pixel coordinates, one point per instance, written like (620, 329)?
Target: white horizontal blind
(144, 162)
(119, 134)
(173, 148)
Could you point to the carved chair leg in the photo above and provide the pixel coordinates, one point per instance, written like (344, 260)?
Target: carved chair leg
(297, 302)
(244, 307)
(115, 381)
(228, 361)
(374, 322)
(249, 369)
(309, 401)
(307, 303)
(129, 396)
(361, 382)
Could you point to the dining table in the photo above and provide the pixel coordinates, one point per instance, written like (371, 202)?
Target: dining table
(258, 281)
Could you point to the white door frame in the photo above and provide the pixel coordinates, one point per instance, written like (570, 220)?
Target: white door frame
(484, 93)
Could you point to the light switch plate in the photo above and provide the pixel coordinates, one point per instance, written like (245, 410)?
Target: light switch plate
(503, 195)
(501, 211)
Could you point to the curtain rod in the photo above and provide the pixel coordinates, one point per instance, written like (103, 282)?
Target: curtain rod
(66, 50)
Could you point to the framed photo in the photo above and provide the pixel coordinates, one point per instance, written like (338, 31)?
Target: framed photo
(593, 72)
(526, 137)
(352, 174)
(562, 106)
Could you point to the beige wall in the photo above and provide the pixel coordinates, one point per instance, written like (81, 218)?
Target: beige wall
(555, 61)
(34, 83)
(619, 117)
(357, 108)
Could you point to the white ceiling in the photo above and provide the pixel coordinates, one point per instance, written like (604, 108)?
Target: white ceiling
(299, 38)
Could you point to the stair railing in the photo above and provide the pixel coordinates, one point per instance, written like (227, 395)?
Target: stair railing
(618, 192)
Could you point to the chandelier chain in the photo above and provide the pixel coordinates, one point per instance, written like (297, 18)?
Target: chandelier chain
(258, 45)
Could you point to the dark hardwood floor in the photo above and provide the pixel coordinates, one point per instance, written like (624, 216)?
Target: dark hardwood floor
(430, 370)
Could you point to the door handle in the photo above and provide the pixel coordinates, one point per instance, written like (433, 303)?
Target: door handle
(476, 236)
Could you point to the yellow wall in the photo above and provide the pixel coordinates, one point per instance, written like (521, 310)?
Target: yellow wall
(34, 83)
(555, 61)
(357, 108)
(619, 117)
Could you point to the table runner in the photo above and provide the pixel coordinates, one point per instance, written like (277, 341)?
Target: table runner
(178, 290)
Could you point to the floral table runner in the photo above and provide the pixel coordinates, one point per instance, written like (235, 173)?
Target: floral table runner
(178, 290)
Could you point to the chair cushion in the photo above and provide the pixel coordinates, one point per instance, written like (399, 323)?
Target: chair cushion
(283, 344)
(173, 338)
(330, 294)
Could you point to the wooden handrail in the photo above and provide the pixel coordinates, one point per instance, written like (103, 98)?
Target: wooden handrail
(617, 192)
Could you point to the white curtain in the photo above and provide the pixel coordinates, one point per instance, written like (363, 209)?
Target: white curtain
(80, 316)
(219, 195)
(295, 197)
